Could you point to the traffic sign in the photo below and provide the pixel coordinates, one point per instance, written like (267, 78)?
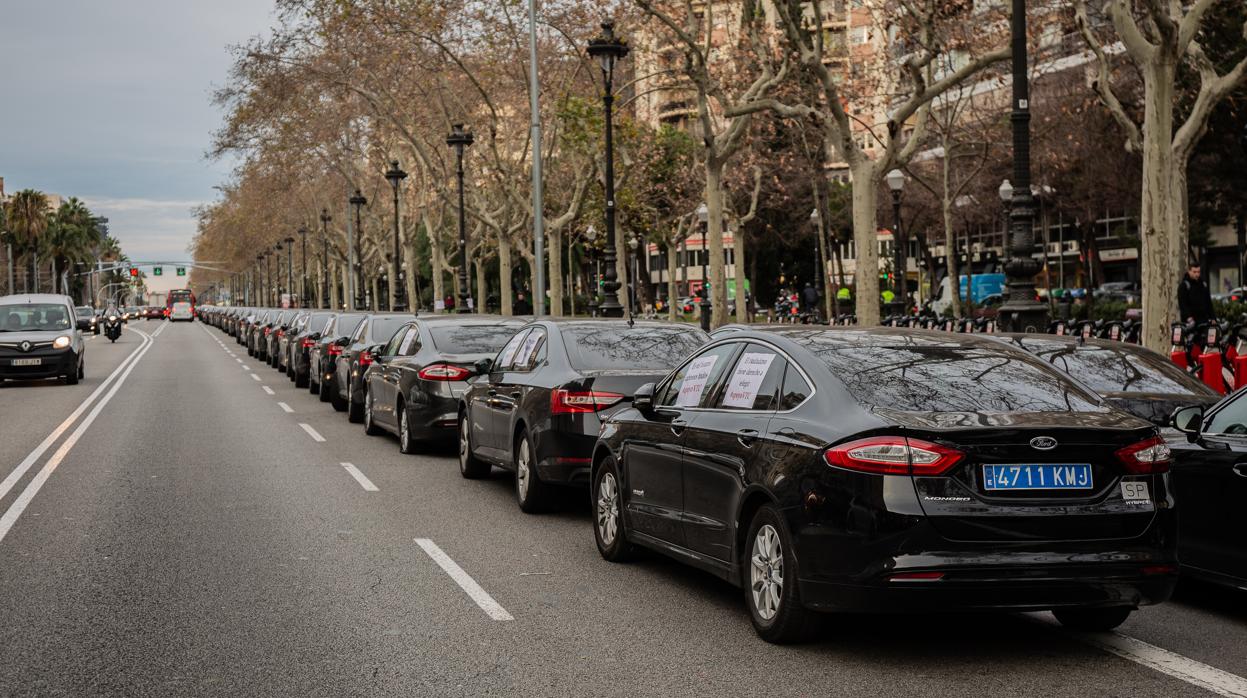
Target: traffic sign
(157, 271)
(181, 271)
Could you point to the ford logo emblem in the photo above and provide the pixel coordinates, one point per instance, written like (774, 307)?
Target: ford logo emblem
(1043, 443)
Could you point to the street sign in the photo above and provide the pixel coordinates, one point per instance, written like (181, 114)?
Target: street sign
(158, 271)
(181, 271)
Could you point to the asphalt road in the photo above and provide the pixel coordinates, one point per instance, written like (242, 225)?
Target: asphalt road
(186, 534)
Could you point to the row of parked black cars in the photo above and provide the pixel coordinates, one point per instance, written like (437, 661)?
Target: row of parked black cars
(820, 469)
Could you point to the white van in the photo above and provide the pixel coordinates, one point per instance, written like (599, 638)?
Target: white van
(182, 311)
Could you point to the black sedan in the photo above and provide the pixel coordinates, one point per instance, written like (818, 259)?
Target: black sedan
(1136, 379)
(539, 408)
(416, 380)
(323, 356)
(298, 363)
(1210, 478)
(890, 470)
(347, 391)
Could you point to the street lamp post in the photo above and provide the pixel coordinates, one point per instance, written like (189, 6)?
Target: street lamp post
(460, 139)
(357, 279)
(290, 270)
(268, 279)
(896, 183)
(1021, 312)
(609, 49)
(396, 175)
(703, 305)
(820, 272)
(324, 256)
(259, 281)
(304, 301)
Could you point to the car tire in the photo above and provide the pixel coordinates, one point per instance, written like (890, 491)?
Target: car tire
(71, 378)
(1093, 619)
(774, 600)
(370, 427)
(608, 521)
(302, 380)
(531, 493)
(324, 391)
(82, 369)
(407, 444)
(354, 412)
(470, 467)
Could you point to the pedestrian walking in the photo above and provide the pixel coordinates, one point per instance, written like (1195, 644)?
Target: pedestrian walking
(1194, 298)
(809, 298)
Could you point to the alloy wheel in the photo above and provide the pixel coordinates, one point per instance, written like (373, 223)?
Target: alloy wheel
(522, 470)
(766, 573)
(404, 440)
(608, 509)
(463, 443)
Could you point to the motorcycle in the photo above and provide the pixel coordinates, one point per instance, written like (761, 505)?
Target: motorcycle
(112, 327)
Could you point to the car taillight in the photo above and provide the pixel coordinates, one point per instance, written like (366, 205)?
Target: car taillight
(268, 331)
(307, 343)
(893, 455)
(365, 359)
(281, 333)
(444, 372)
(1148, 457)
(580, 402)
(334, 350)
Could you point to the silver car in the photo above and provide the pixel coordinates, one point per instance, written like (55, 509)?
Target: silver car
(39, 338)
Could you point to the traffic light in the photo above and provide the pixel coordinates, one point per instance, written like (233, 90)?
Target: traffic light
(134, 271)
(181, 271)
(158, 271)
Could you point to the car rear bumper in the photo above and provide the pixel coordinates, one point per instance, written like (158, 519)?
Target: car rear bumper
(564, 457)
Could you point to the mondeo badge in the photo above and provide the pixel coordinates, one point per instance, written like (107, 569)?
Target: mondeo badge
(1043, 443)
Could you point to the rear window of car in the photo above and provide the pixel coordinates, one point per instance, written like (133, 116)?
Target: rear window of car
(597, 347)
(932, 377)
(1109, 371)
(34, 317)
(471, 339)
(84, 311)
(381, 329)
(347, 323)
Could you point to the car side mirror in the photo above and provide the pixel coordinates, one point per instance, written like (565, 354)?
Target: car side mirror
(643, 398)
(342, 341)
(315, 336)
(1187, 419)
(483, 366)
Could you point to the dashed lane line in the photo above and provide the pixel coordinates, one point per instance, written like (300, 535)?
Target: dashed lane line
(268, 390)
(361, 478)
(286, 408)
(492, 608)
(312, 432)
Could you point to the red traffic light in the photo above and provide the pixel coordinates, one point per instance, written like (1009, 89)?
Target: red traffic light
(134, 271)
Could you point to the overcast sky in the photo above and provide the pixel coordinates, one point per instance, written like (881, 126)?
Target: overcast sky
(110, 101)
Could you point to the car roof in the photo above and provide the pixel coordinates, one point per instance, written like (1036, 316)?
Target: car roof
(35, 298)
(466, 319)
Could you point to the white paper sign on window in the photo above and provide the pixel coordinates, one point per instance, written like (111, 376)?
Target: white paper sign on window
(509, 351)
(747, 379)
(695, 379)
(526, 351)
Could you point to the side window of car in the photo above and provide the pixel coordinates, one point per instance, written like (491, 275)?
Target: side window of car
(754, 381)
(360, 332)
(392, 347)
(796, 389)
(507, 355)
(1231, 419)
(411, 343)
(531, 352)
(692, 382)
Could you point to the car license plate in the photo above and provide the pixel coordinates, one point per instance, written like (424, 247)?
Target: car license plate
(1037, 476)
(27, 362)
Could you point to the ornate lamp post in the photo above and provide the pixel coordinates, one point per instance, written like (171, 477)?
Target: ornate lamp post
(820, 273)
(609, 49)
(703, 215)
(268, 279)
(304, 301)
(290, 270)
(896, 183)
(395, 175)
(258, 298)
(357, 277)
(1021, 312)
(324, 256)
(460, 139)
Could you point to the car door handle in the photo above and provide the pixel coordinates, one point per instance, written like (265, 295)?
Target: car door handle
(492, 393)
(1240, 469)
(678, 426)
(787, 431)
(746, 437)
(516, 394)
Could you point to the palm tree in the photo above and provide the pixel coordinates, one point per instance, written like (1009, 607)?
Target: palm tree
(72, 237)
(26, 215)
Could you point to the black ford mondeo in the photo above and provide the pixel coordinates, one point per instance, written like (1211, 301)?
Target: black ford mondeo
(889, 470)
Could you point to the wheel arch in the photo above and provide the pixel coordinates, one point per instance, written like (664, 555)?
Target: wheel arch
(753, 499)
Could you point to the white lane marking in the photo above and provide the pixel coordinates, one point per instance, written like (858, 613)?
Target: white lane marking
(482, 598)
(360, 477)
(285, 407)
(256, 376)
(34, 455)
(1183, 668)
(245, 367)
(238, 360)
(312, 432)
(158, 331)
(36, 483)
(268, 390)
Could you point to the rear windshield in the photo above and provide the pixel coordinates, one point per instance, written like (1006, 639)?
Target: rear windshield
(84, 311)
(941, 378)
(471, 339)
(382, 328)
(34, 317)
(1109, 371)
(596, 347)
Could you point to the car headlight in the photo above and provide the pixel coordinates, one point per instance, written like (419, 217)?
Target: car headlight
(61, 342)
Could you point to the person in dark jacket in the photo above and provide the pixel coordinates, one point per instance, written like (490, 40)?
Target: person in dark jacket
(522, 306)
(1194, 298)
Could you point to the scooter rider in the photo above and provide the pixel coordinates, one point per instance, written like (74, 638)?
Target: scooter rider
(112, 323)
